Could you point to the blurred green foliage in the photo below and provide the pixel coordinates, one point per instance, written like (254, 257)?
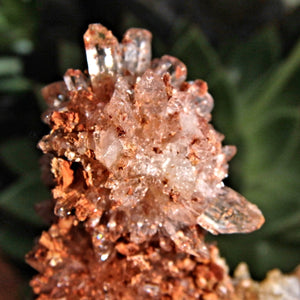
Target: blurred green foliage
(18, 21)
(255, 81)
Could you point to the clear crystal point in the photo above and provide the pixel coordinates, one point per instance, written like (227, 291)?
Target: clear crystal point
(173, 66)
(204, 101)
(230, 212)
(103, 58)
(136, 50)
(75, 80)
(103, 51)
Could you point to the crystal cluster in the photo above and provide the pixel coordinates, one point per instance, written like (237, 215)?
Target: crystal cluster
(138, 171)
(275, 286)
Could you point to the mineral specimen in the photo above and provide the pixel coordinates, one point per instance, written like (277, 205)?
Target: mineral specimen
(138, 171)
(275, 286)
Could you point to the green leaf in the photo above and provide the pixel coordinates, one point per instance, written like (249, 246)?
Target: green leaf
(292, 237)
(260, 254)
(291, 4)
(20, 155)
(193, 48)
(272, 141)
(22, 46)
(69, 56)
(274, 254)
(284, 224)
(18, 20)
(20, 198)
(10, 66)
(15, 84)
(264, 91)
(252, 58)
(239, 248)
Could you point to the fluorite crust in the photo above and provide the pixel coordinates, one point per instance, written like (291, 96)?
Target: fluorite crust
(137, 165)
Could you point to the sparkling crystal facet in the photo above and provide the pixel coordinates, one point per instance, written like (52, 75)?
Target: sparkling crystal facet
(75, 80)
(173, 66)
(138, 173)
(55, 94)
(136, 46)
(103, 57)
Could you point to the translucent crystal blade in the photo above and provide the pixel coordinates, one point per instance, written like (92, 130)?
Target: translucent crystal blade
(230, 212)
(203, 100)
(75, 80)
(173, 66)
(108, 148)
(102, 50)
(187, 240)
(136, 51)
(103, 57)
(119, 109)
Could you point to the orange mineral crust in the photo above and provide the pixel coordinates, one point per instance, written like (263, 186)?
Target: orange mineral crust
(70, 268)
(139, 179)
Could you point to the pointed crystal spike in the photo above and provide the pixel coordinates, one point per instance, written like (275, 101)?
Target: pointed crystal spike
(173, 66)
(55, 93)
(119, 108)
(187, 240)
(204, 101)
(75, 80)
(103, 58)
(136, 50)
(102, 50)
(229, 151)
(230, 212)
(103, 247)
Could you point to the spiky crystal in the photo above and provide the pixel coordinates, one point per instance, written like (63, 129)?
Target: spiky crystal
(137, 162)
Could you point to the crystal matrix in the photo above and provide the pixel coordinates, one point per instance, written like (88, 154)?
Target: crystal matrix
(138, 171)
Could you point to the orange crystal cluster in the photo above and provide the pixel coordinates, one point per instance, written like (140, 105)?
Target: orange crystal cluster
(138, 171)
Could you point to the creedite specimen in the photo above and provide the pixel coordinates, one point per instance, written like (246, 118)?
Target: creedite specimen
(138, 171)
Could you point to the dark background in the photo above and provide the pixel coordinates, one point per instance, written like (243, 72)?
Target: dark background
(247, 51)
